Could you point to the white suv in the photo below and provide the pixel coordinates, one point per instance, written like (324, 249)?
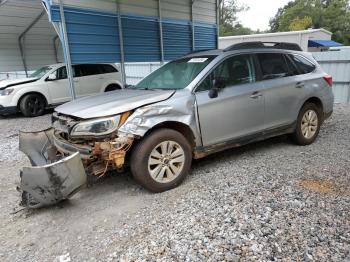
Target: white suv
(49, 86)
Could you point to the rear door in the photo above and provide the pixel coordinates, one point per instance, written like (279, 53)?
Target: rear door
(91, 79)
(238, 111)
(282, 89)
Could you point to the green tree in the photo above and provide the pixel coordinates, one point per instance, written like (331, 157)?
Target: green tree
(229, 25)
(300, 23)
(333, 15)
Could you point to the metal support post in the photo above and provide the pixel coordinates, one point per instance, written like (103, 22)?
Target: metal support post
(192, 26)
(161, 32)
(21, 41)
(121, 44)
(67, 52)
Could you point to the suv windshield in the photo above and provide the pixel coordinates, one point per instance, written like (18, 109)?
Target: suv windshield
(40, 72)
(176, 74)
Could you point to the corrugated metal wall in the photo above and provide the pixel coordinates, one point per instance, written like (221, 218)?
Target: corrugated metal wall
(204, 10)
(93, 36)
(93, 31)
(337, 64)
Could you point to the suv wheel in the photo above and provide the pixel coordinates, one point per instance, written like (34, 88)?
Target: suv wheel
(308, 124)
(32, 105)
(161, 160)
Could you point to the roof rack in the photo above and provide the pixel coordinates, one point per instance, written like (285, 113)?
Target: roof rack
(259, 44)
(198, 51)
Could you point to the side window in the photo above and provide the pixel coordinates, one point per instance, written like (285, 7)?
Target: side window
(61, 73)
(77, 71)
(293, 70)
(273, 65)
(90, 69)
(106, 69)
(303, 64)
(235, 70)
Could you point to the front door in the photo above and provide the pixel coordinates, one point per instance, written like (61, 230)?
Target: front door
(238, 110)
(59, 86)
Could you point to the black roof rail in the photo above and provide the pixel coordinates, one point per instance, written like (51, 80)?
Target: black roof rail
(259, 44)
(198, 51)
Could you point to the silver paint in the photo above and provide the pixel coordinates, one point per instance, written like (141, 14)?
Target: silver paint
(112, 103)
(49, 180)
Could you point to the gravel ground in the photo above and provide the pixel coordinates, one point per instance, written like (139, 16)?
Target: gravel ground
(266, 201)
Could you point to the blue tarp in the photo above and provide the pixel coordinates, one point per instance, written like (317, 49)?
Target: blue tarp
(327, 43)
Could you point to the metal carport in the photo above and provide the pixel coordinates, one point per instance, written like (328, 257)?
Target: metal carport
(104, 31)
(26, 36)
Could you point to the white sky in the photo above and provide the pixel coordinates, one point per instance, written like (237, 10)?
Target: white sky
(259, 13)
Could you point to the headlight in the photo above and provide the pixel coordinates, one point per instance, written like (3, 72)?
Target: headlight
(95, 127)
(6, 92)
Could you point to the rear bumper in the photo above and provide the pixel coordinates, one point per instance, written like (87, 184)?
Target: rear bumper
(8, 110)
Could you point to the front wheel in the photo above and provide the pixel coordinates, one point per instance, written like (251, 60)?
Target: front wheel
(162, 160)
(308, 125)
(32, 105)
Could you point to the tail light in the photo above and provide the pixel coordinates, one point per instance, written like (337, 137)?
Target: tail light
(329, 80)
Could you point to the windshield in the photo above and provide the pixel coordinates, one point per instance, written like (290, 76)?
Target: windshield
(40, 72)
(176, 74)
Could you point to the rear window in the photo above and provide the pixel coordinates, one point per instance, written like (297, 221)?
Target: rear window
(304, 65)
(106, 69)
(273, 65)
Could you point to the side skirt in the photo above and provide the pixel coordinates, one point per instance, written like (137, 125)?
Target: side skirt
(200, 152)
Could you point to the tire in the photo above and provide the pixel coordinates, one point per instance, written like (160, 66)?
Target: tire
(308, 125)
(112, 87)
(157, 174)
(32, 105)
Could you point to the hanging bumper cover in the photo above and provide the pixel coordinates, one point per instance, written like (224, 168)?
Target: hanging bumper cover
(51, 178)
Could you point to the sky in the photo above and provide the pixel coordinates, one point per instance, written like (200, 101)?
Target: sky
(259, 13)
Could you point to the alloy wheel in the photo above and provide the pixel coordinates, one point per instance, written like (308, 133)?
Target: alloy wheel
(166, 161)
(309, 124)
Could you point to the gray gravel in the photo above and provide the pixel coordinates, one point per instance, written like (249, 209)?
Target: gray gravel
(266, 201)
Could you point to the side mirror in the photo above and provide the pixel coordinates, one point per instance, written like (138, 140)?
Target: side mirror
(213, 93)
(51, 77)
(216, 86)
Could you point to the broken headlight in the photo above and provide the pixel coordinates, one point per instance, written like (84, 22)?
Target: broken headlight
(97, 127)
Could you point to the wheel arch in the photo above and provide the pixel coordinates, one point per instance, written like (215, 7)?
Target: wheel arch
(315, 100)
(182, 128)
(114, 84)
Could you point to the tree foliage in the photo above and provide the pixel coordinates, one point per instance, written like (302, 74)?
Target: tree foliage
(300, 23)
(333, 15)
(229, 25)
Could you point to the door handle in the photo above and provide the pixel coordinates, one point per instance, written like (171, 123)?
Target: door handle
(300, 85)
(255, 95)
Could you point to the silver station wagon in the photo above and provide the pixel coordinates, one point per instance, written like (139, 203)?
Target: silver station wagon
(189, 108)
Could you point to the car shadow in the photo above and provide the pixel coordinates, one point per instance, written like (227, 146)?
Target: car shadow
(19, 115)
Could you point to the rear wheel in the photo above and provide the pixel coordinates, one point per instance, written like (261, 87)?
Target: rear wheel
(32, 105)
(308, 124)
(162, 160)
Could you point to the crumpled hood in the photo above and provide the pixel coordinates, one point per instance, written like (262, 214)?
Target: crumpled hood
(112, 103)
(14, 82)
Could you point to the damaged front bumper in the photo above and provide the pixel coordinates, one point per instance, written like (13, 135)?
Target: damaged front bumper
(52, 178)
